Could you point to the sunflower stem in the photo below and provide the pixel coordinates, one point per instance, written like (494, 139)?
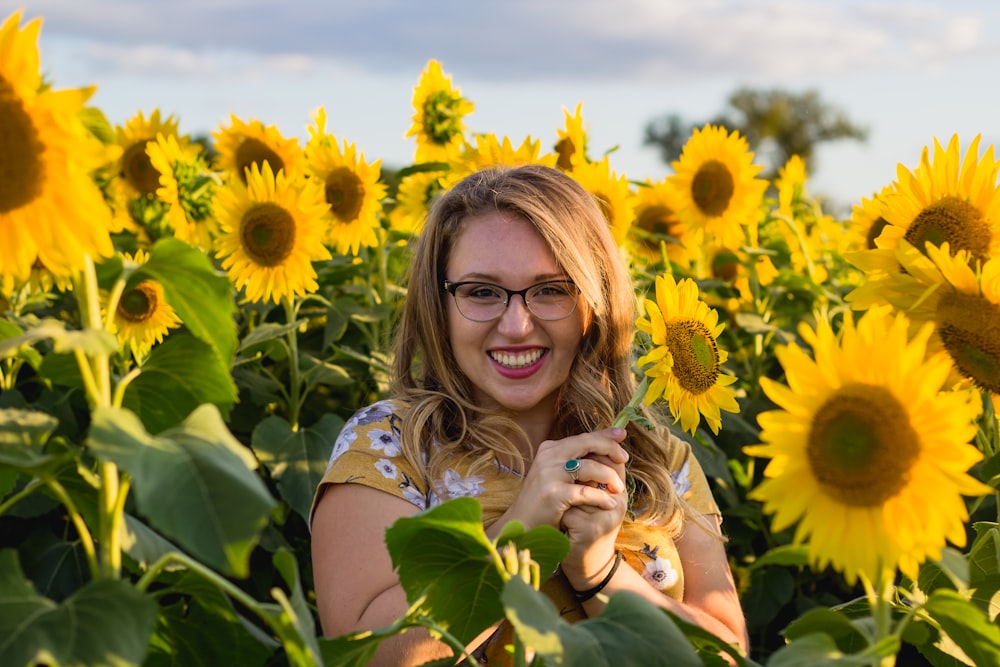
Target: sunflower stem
(627, 413)
(294, 379)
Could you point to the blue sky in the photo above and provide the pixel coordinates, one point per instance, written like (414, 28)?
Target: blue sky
(906, 71)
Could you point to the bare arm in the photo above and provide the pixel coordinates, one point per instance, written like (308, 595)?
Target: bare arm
(356, 586)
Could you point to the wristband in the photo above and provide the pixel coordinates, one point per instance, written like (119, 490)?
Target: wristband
(583, 596)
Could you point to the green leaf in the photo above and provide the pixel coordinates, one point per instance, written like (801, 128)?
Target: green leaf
(195, 483)
(443, 553)
(296, 459)
(91, 342)
(537, 623)
(819, 650)
(966, 625)
(106, 622)
(23, 434)
(267, 331)
(317, 372)
(547, 545)
(294, 619)
(831, 622)
(201, 297)
(789, 554)
(984, 568)
(180, 374)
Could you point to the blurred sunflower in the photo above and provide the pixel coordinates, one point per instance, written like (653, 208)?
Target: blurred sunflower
(867, 453)
(791, 186)
(351, 187)
(272, 230)
(51, 211)
(416, 192)
(241, 145)
(612, 193)
(438, 123)
(572, 143)
(686, 362)
(142, 316)
(866, 223)
(187, 186)
(716, 180)
(137, 176)
(656, 224)
(944, 200)
(489, 151)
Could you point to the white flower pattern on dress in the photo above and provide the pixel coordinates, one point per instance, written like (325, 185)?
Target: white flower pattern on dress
(387, 468)
(456, 486)
(681, 479)
(659, 572)
(385, 442)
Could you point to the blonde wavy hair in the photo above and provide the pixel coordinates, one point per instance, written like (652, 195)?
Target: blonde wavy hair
(439, 397)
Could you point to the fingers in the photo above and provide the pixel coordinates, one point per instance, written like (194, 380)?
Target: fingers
(595, 473)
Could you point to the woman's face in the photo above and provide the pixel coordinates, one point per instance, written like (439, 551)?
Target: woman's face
(518, 361)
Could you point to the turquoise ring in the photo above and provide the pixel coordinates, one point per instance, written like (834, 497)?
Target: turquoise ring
(573, 468)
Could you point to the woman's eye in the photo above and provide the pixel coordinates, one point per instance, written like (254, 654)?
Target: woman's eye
(483, 293)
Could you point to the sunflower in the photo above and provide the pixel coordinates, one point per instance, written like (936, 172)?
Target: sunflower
(656, 224)
(488, 151)
(142, 316)
(416, 192)
(440, 109)
(716, 180)
(791, 186)
(612, 193)
(51, 211)
(272, 229)
(572, 143)
(686, 363)
(867, 453)
(242, 145)
(866, 223)
(187, 187)
(351, 186)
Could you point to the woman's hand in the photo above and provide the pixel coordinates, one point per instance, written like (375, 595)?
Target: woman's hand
(549, 490)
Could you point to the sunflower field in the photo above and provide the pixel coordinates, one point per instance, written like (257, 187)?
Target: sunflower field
(186, 323)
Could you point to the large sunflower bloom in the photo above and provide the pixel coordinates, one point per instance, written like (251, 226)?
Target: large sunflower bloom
(272, 230)
(612, 193)
(440, 109)
(866, 223)
(142, 316)
(945, 200)
(867, 453)
(716, 179)
(417, 192)
(351, 187)
(686, 362)
(51, 211)
(241, 145)
(187, 186)
(572, 143)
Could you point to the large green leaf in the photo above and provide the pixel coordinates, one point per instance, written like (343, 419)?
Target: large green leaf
(106, 622)
(91, 342)
(194, 483)
(830, 622)
(292, 615)
(819, 650)
(180, 374)
(966, 625)
(23, 434)
(202, 297)
(296, 459)
(984, 568)
(444, 554)
(203, 629)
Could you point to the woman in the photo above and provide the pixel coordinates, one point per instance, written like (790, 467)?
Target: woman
(512, 358)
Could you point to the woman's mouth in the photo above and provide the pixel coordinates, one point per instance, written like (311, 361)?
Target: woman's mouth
(517, 359)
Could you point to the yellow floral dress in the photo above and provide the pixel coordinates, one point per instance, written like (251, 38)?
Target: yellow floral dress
(368, 452)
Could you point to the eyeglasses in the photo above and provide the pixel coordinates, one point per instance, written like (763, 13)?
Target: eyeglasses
(482, 302)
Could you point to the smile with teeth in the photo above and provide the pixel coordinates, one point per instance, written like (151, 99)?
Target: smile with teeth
(517, 359)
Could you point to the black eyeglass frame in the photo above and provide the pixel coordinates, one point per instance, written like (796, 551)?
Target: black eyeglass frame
(450, 288)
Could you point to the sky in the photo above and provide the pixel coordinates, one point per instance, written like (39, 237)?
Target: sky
(907, 72)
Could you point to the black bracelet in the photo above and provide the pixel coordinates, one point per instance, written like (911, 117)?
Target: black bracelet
(583, 596)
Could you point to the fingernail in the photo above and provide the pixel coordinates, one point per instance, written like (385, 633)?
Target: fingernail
(618, 432)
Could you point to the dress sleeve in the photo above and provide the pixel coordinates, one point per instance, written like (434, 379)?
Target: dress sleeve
(689, 479)
(368, 451)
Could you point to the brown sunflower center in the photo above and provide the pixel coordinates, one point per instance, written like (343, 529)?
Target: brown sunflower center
(345, 193)
(660, 223)
(712, 188)
(22, 168)
(138, 170)
(695, 353)
(442, 117)
(969, 327)
(565, 148)
(139, 303)
(725, 265)
(267, 232)
(953, 220)
(253, 151)
(874, 230)
(862, 446)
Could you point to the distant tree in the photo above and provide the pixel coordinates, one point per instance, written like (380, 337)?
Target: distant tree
(776, 123)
